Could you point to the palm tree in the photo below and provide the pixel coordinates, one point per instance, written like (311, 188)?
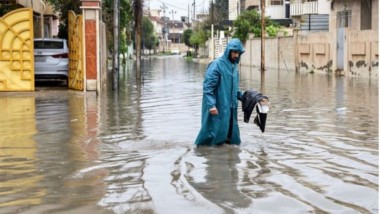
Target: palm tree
(138, 12)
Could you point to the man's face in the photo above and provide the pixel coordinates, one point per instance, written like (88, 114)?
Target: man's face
(234, 55)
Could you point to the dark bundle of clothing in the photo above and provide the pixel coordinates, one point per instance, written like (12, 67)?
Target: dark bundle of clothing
(250, 100)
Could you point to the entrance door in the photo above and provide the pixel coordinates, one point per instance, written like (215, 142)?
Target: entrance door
(343, 21)
(287, 9)
(340, 49)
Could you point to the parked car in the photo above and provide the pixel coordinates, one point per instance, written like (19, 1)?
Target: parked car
(51, 58)
(175, 51)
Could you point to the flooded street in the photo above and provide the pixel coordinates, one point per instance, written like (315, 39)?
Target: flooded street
(133, 151)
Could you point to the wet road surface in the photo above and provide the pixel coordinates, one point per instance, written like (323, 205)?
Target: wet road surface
(132, 151)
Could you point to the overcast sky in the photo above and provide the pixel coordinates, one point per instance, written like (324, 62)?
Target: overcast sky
(179, 7)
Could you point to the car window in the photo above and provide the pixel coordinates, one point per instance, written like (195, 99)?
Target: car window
(48, 44)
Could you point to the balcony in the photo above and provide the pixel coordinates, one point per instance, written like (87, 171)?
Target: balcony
(298, 8)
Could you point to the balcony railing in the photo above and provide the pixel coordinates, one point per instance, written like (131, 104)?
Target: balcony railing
(299, 8)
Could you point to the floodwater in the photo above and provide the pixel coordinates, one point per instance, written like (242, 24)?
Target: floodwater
(132, 151)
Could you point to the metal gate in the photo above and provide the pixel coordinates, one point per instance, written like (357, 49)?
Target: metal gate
(76, 55)
(16, 51)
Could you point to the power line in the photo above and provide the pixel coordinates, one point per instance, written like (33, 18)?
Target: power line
(179, 8)
(173, 6)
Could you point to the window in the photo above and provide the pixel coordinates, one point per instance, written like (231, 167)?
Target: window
(48, 45)
(344, 19)
(276, 2)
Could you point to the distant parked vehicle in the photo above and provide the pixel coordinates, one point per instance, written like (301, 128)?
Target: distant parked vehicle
(51, 58)
(175, 51)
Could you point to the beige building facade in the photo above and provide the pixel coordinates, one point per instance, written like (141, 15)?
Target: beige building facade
(350, 47)
(44, 18)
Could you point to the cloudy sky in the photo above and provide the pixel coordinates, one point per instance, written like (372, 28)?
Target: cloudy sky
(179, 7)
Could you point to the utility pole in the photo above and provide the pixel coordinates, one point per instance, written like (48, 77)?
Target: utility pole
(149, 8)
(42, 19)
(115, 85)
(173, 12)
(212, 31)
(194, 10)
(212, 12)
(262, 67)
(165, 31)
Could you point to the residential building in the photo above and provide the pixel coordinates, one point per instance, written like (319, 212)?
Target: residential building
(45, 20)
(155, 12)
(159, 29)
(276, 10)
(251, 5)
(355, 36)
(185, 19)
(310, 15)
(158, 25)
(176, 29)
(233, 9)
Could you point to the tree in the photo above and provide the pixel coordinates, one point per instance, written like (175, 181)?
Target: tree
(6, 8)
(186, 37)
(220, 10)
(198, 38)
(138, 12)
(149, 39)
(250, 22)
(152, 42)
(126, 17)
(63, 7)
(123, 46)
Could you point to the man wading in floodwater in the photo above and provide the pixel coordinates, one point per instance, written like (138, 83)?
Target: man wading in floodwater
(220, 98)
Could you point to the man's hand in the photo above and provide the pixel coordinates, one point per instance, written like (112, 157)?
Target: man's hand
(213, 111)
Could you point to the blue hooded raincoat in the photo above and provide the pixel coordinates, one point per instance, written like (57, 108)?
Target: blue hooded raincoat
(221, 90)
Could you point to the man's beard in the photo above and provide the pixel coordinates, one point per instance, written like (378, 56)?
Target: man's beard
(232, 60)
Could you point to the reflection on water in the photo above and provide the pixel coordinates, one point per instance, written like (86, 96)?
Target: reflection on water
(220, 183)
(132, 151)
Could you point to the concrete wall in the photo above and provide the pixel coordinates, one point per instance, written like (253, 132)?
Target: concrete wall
(233, 9)
(363, 53)
(324, 6)
(286, 53)
(251, 3)
(375, 15)
(342, 5)
(36, 5)
(314, 52)
(275, 11)
(279, 53)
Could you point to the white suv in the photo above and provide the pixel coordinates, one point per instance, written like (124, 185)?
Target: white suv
(51, 58)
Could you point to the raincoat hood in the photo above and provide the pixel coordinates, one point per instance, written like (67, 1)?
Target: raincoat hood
(234, 45)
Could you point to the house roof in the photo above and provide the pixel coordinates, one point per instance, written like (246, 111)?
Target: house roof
(156, 19)
(179, 25)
